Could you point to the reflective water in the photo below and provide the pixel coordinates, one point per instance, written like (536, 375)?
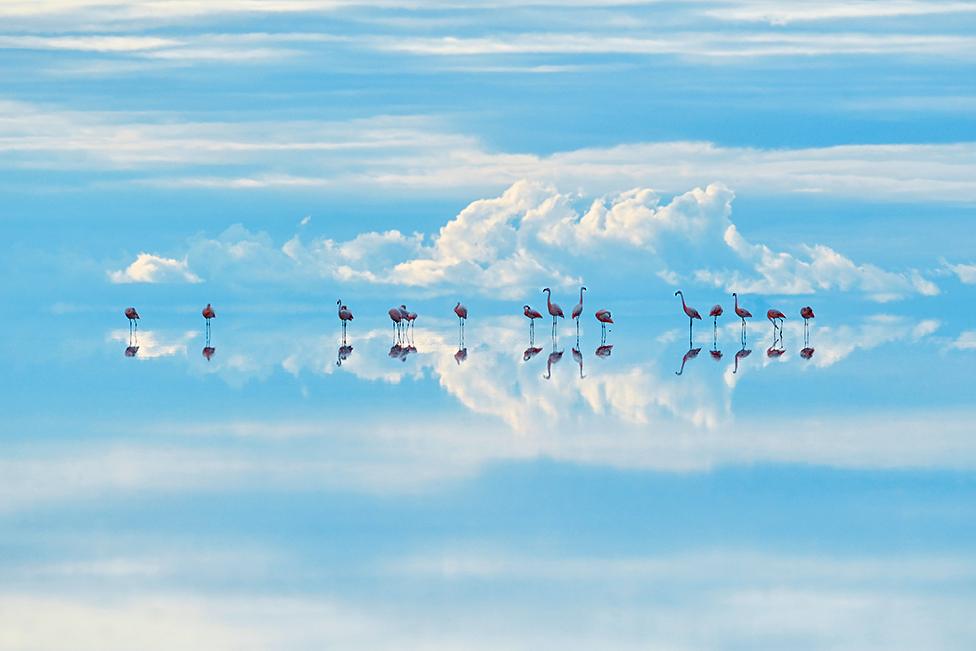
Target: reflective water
(498, 491)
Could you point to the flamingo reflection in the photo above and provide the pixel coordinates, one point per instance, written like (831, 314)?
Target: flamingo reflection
(461, 355)
(741, 354)
(554, 358)
(807, 352)
(343, 353)
(208, 352)
(604, 350)
(691, 354)
(530, 352)
(131, 351)
(578, 358)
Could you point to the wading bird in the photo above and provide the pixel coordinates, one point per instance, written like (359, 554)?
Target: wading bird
(396, 317)
(132, 316)
(604, 317)
(531, 315)
(578, 310)
(462, 315)
(775, 315)
(691, 312)
(743, 314)
(554, 310)
(344, 316)
(715, 314)
(807, 314)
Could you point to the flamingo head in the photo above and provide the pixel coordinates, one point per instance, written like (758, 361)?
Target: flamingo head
(678, 293)
(546, 290)
(582, 289)
(339, 302)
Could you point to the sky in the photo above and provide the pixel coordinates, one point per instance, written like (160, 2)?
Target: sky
(515, 490)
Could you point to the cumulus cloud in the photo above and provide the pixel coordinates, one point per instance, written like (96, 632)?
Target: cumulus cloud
(965, 272)
(151, 268)
(533, 235)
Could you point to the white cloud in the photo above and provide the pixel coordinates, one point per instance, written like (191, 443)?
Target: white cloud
(965, 272)
(532, 235)
(419, 154)
(778, 13)
(966, 340)
(151, 268)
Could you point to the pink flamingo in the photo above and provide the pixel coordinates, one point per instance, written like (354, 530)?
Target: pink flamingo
(208, 313)
(531, 315)
(690, 311)
(773, 315)
(396, 317)
(578, 310)
(554, 309)
(462, 315)
(715, 313)
(742, 313)
(344, 317)
(132, 316)
(604, 317)
(807, 314)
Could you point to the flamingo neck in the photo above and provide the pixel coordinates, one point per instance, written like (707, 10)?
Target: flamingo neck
(682, 298)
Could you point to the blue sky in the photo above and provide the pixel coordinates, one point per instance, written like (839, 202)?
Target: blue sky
(272, 156)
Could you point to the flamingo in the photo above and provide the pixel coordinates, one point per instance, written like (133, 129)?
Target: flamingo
(132, 316)
(807, 314)
(530, 352)
(531, 315)
(461, 355)
(462, 315)
(715, 313)
(396, 317)
(578, 310)
(742, 313)
(411, 317)
(208, 313)
(554, 310)
(691, 354)
(208, 352)
(690, 311)
(344, 316)
(773, 315)
(604, 317)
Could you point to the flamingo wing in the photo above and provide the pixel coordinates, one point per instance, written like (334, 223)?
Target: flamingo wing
(693, 313)
(716, 311)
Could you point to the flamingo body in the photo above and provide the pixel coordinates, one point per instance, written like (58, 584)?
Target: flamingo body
(208, 312)
(716, 311)
(530, 313)
(131, 314)
(603, 316)
(806, 312)
(461, 311)
(772, 315)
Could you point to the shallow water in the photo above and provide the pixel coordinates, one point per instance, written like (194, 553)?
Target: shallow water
(481, 499)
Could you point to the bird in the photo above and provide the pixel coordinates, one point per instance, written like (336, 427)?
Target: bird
(208, 352)
(807, 313)
(604, 317)
(715, 313)
(690, 311)
(578, 310)
(208, 313)
(742, 313)
(531, 315)
(344, 316)
(773, 315)
(691, 354)
(462, 315)
(405, 317)
(396, 317)
(132, 316)
(554, 310)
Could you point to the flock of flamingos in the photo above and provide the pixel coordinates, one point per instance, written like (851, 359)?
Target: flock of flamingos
(403, 326)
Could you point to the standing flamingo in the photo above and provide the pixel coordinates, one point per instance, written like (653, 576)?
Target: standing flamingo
(554, 309)
(344, 316)
(604, 317)
(411, 318)
(531, 315)
(132, 316)
(807, 314)
(743, 314)
(578, 310)
(690, 311)
(396, 317)
(773, 315)
(462, 315)
(715, 314)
